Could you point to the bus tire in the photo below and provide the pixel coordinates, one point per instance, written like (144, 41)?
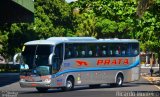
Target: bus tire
(42, 90)
(69, 84)
(119, 80)
(94, 86)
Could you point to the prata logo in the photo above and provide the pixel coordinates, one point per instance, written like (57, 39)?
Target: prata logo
(82, 63)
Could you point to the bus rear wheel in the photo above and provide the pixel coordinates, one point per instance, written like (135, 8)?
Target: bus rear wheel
(42, 90)
(69, 85)
(119, 81)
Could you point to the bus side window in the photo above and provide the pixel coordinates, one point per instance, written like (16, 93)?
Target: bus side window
(134, 49)
(80, 50)
(66, 53)
(116, 52)
(104, 53)
(104, 50)
(135, 52)
(83, 53)
(91, 50)
(111, 49)
(111, 52)
(128, 51)
(98, 51)
(75, 53)
(123, 52)
(90, 53)
(69, 53)
(124, 47)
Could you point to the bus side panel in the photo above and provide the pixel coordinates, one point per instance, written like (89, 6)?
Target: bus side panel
(85, 78)
(135, 73)
(94, 77)
(86, 70)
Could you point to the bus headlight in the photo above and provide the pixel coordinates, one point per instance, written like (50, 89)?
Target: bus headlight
(47, 80)
(22, 80)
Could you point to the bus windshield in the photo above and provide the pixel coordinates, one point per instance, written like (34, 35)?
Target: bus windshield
(35, 59)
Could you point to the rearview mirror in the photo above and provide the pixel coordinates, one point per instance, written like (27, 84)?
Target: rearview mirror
(15, 58)
(50, 58)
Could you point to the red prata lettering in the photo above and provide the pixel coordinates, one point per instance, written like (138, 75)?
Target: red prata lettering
(113, 61)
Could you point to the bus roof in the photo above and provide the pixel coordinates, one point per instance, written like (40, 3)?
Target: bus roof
(40, 42)
(57, 40)
(72, 38)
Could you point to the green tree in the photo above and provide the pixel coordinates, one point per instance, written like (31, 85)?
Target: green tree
(143, 5)
(51, 18)
(85, 24)
(108, 19)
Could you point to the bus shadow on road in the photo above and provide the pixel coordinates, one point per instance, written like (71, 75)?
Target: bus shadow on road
(81, 89)
(144, 83)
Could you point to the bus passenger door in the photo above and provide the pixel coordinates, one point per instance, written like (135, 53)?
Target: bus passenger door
(58, 58)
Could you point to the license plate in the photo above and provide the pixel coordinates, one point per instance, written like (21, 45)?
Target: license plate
(34, 85)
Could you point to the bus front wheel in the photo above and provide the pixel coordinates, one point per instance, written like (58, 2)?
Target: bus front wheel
(69, 85)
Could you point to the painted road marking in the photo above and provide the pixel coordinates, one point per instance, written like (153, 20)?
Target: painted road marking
(157, 86)
(150, 80)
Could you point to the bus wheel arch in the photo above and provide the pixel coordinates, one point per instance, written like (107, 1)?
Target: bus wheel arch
(69, 83)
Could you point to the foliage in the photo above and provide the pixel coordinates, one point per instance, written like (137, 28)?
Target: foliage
(143, 5)
(97, 18)
(105, 19)
(52, 18)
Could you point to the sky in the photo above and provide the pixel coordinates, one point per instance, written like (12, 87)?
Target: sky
(69, 1)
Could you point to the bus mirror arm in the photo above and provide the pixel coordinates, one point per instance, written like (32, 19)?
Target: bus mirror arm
(15, 58)
(50, 59)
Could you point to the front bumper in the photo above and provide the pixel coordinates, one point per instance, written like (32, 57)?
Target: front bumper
(24, 84)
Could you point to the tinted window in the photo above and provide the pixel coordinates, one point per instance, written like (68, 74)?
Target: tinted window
(29, 49)
(40, 49)
(135, 49)
(124, 49)
(91, 50)
(68, 51)
(81, 50)
(114, 49)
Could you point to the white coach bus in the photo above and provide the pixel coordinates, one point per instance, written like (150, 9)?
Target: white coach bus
(63, 62)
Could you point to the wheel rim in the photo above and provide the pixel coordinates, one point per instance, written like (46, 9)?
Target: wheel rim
(69, 84)
(119, 81)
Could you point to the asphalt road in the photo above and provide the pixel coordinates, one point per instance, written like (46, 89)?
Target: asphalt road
(9, 87)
